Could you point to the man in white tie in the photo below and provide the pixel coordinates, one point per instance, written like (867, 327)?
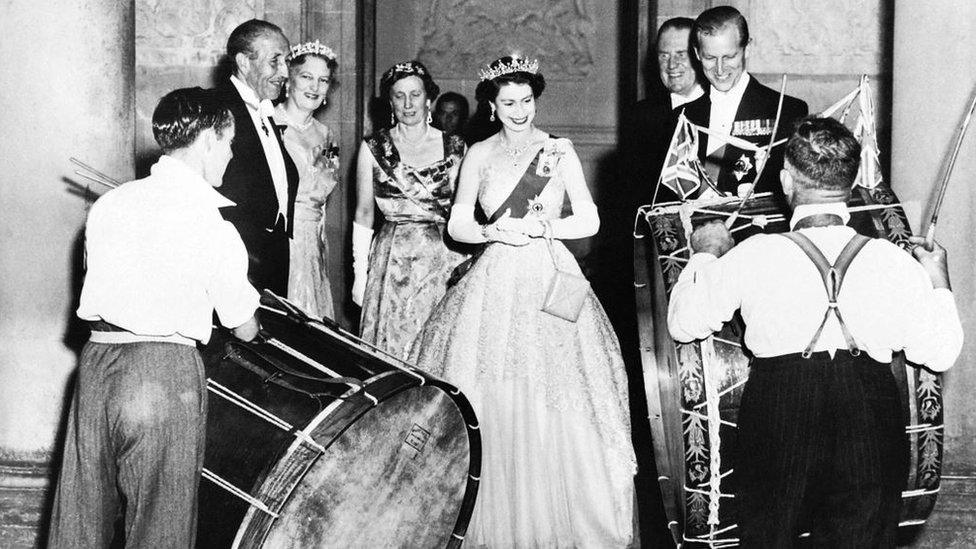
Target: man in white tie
(736, 104)
(261, 179)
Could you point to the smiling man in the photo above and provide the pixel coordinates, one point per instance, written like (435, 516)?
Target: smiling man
(261, 179)
(736, 104)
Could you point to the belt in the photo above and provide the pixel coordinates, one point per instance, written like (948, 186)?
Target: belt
(104, 332)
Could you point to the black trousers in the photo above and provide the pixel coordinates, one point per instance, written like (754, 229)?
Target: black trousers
(268, 258)
(822, 448)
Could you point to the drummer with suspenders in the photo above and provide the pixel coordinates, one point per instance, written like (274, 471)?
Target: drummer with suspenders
(821, 429)
(160, 261)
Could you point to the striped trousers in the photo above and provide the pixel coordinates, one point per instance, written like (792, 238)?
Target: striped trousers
(134, 448)
(822, 449)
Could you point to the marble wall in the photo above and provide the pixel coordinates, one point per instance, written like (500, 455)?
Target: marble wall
(68, 92)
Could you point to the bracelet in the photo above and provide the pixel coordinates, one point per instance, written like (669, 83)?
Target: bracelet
(484, 232)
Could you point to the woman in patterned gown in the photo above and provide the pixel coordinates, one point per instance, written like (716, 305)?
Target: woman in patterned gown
(409, 171)
(310, 145)
(551, 394)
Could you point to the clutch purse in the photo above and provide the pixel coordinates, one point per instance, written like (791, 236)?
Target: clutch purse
(567, 291)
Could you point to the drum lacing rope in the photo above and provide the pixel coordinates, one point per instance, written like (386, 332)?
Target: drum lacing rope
(714, 427)
(234, 490)
(711, 541)
(234, 398)
(307, 360)
(319, 325)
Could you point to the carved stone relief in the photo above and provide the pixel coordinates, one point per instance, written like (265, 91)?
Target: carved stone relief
(188, 32)
(460, 36)
(830, 37)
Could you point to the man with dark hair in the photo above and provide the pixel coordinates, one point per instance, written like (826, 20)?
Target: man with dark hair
(451, 113)
(736, 104)
(261, 179)
(160, 261)
(820, 421)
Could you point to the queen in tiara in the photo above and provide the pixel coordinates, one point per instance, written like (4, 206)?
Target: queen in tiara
(550, 393)
(409, 171)
(311, 145)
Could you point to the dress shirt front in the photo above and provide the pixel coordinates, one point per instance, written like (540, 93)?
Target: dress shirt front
(262, 111)
(887, 299)
(723, 108)
(161, 259)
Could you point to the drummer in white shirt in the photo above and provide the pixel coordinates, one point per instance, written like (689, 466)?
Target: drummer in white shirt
(160, 261)
(820, 410)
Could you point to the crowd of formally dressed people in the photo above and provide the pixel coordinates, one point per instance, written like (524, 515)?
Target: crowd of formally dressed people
(464, 273)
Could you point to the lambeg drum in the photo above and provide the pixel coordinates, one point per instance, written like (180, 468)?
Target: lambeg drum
(316, 439)
(694, 389)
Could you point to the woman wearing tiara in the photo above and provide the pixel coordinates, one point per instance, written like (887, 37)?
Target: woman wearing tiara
(551, 394)
(310, 146)
(409, 170)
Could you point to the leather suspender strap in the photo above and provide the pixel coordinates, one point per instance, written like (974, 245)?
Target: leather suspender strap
(832, 277)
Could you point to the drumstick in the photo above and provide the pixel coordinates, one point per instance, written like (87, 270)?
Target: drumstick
(762, 166)
(930, 233)
(96, 179)
(105, 178)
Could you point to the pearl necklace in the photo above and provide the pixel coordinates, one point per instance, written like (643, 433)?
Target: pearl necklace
(403, 136)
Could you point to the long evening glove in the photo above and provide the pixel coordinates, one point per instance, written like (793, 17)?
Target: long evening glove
(362, 237)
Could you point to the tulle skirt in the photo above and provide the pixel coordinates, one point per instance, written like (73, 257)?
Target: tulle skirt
(551, 397)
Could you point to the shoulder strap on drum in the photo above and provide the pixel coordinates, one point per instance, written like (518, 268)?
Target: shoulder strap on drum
(832, 277)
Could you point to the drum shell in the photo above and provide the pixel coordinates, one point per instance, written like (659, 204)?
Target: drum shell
(674, 372)
(276, 466)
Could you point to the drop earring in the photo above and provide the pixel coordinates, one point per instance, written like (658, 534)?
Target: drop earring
(429, 118)
(392, 119)
(492, 117)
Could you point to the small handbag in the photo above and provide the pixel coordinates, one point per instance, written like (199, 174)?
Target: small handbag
(567, 291)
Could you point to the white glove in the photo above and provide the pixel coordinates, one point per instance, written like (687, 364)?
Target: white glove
(362, 237)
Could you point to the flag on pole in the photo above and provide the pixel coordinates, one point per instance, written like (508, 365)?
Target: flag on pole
(869, 172)
(682, 172)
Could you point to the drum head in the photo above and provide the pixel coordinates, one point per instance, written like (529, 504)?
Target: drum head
(396, 477)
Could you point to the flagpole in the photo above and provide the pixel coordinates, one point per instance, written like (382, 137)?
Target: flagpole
(930, 233)
(762, 166)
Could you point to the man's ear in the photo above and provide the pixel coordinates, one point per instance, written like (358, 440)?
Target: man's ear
(748, 48)
(243, 62)
(786, 180)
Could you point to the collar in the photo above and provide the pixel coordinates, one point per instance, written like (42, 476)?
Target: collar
(260, 106)
(831, 208)
(190, 180)
(734, 95)
(678, 100)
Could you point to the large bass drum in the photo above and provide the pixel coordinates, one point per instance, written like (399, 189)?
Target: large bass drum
(315, 439)
(693, 389)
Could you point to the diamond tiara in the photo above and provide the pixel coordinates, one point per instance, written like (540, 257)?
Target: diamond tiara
(518, 64)
(316, 48)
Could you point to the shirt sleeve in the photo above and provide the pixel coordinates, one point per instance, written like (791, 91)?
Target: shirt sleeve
(233, 297)
(933, 333)
(705, 296)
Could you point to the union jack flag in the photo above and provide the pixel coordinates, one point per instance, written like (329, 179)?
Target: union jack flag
(682, 171)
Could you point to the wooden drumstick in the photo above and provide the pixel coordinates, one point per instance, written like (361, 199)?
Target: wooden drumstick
(930, 232)
(762, 167)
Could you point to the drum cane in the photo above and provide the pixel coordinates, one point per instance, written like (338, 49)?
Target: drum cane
(930, 233)
(772, 139)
